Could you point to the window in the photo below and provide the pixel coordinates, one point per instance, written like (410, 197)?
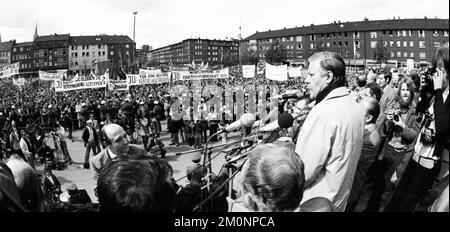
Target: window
(422, 55)
(421, 44)
(357, 44)
(345, 34)
(311, 46)
(346, 53)
(399, 33)
(445, 33)
(405, 54)
(313, 37)
(99, 46)
(399, 44)
(328, 36)
(385, 43)
(82, 54)
(392, 54)
(87, 53)
(411, 54)
(411, 43)
(358, 54)
(299, 55)
(410, 32)
(404, 32)
(111, 53)
(391, 44)
(328, 44)
(346, 43)
(373, 44)
(437, 44)
(435, 33)
(127, 46)
(399, 54)
(421, 34)
(373, 35)
(340, 43)
(99, 53)
(391, 33)
(405, 44)
(283, 39)
(73, 47)
(299, 46)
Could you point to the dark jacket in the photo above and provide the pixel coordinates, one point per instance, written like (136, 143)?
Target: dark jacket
(85, 135)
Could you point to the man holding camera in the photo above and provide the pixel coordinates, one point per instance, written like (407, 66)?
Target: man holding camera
(432, 145)
(401, 129)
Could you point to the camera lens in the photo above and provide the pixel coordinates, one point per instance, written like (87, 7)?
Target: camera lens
(396, 118)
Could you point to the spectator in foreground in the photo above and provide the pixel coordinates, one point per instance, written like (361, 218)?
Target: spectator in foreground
(135, 185)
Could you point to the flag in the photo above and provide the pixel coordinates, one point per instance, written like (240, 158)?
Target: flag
(101, 66)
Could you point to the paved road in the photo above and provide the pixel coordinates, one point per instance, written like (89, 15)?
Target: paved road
(83, 177)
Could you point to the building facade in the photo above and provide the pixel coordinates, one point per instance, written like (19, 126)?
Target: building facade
(51, 52)
(5, 52)
(24, 53)
(357, 42)
(121, 53)
(84, 51)
(195, 50)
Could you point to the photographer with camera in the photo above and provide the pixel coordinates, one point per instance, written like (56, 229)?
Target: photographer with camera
(401, 129)
(432, 145)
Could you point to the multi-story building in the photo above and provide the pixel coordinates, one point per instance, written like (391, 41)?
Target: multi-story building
(24, 53)
(356, 42)
(121, 53)
(142, 55)
(51, 52)
(84, 51)
(197, 50)
(5, 52)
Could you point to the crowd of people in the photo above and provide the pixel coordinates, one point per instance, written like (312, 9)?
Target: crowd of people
(372, 141)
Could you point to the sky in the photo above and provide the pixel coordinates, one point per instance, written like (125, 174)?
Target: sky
(163, 22)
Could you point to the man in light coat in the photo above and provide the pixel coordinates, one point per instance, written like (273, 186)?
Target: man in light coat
(330, 140)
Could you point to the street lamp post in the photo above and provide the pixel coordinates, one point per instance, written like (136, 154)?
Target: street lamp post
(134, 41)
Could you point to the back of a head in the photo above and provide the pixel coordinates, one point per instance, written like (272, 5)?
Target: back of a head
(441, 59)
(332, 62)
(372, 107)
(375, 90)
(135, 185)
(316, 204)
(274, 176)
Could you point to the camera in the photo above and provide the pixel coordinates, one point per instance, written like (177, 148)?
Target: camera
(428, 76)
(396, 117)
(428, 136)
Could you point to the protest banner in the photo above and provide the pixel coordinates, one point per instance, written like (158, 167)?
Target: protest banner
(222, 74)
(295, 71)
(118, 85)
(92, 82)
(19, 81)
(9, 70)
(248, 71)
(46, 76)
(148, 77)
(276, 73)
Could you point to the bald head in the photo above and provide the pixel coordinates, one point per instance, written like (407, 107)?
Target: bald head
(372, 109)
(115, 138)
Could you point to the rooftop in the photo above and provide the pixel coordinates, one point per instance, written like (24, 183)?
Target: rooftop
(100, 39)
(366, 25)
(53, 37)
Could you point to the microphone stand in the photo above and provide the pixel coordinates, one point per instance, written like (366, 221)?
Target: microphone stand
(228, 181)
(207, 155)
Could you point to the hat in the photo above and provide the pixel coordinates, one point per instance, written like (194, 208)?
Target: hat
(72, 187)
(196, 157)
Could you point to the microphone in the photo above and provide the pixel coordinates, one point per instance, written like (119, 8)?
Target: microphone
(293, 95)
(246, 120)
(237, 147)
(285, 120)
